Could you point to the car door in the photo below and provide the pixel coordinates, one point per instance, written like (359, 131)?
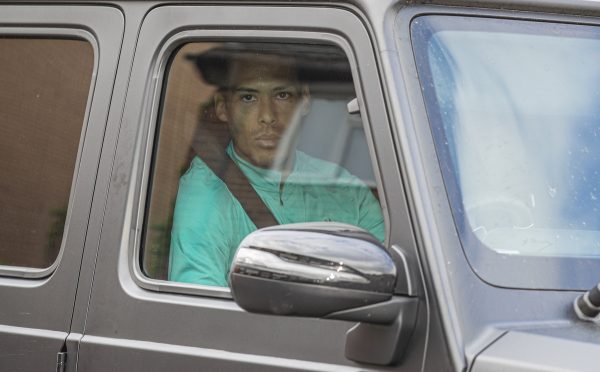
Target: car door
(54, 93)
(138, 319)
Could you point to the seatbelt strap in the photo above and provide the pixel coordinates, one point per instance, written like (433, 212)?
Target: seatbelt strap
(239, 185)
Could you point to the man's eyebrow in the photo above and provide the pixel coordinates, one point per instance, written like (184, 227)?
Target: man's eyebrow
(254, 90)
(285, 87)
(245, 89)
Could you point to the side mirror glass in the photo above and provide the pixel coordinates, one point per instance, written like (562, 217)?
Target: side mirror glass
(313, 270)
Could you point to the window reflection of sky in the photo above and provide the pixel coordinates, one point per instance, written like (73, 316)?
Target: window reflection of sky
(522, 115)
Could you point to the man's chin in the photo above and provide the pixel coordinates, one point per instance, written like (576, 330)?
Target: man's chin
(263, 161)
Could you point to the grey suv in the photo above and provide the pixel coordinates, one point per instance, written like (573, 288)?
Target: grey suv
(300, 185)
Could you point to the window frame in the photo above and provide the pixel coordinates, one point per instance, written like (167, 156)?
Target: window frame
(57, 34)
(148, 145)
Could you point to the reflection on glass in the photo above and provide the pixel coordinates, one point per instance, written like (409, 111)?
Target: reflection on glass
(277, 113)
(44, 90)
(517, 108)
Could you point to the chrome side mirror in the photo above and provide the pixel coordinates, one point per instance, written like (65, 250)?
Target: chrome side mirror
(320, 269)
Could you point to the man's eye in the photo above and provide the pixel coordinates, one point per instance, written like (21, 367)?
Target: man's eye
(247, 98)
(284, 95)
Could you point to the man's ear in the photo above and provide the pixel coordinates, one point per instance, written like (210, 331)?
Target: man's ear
(305, 103)
(221, 107)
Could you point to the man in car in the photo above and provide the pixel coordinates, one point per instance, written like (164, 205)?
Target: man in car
(260, 97)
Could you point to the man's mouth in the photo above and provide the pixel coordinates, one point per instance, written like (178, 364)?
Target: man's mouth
(268, 141)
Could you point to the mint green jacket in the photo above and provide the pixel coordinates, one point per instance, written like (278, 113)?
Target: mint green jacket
(209, 223)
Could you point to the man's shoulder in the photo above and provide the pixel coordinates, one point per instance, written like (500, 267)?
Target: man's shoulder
(200, 178)
(198, 170)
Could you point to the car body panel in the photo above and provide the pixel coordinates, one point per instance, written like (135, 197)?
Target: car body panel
(36, 313)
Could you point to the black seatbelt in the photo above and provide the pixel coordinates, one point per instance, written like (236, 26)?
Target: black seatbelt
(209, 143)
(239, 185)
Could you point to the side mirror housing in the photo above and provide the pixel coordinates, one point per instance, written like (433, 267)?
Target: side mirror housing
(335, 271)
(323, 269)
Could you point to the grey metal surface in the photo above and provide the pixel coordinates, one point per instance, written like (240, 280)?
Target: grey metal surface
(29, 349)
(36, 313)
(121, 355)
(520, 351)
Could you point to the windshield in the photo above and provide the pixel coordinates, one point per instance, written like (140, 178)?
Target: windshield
(515, 111)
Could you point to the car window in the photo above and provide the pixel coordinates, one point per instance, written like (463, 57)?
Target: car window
(515, 114)
(44, 89)
(277, 114)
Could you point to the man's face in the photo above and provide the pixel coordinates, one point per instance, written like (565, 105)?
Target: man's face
(262, 98)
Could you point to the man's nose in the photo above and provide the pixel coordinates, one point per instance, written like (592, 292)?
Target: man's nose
(267, 113)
